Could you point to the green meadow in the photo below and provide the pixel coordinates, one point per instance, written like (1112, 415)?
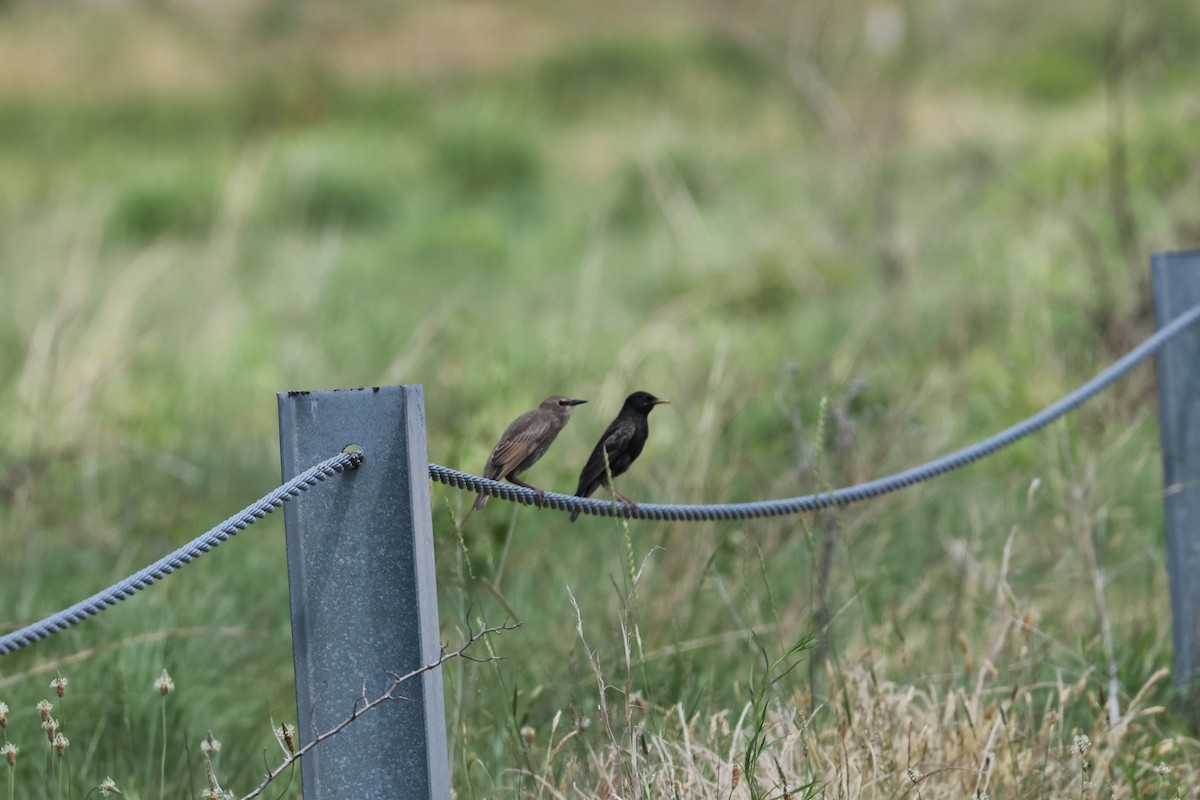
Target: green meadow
(841, 238)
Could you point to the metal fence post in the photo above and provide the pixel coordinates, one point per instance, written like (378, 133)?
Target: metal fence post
(364, 596)
(1176, 282)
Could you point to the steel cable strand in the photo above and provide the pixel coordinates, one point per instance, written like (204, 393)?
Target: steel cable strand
(837, 497)
(182, 556)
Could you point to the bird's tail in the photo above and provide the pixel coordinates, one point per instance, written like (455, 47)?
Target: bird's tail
(580, 492)
(480, 502)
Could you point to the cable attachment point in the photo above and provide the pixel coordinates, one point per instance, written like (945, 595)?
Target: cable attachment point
(356, 453)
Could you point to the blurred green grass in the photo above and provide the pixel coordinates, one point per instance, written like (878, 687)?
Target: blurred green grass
(631, 203)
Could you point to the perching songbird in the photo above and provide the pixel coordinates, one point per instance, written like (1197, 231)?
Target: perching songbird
(526, 440)
(622, 442)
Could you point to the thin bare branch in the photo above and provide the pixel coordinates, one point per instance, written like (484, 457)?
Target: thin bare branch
(388, 695)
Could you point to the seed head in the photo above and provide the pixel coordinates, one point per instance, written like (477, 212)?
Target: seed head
(108, 786)
(9, 751)
(61, 743)
(3, 715)
(44, 708)
(210, 745)
(528, 734)
(50, 726)
(288, 734)
(59, 685)
(164, 684)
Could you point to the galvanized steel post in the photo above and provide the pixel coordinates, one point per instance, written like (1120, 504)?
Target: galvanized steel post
(364, 596)
(1176, 282)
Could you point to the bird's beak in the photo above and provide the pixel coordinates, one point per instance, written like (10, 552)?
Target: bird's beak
(576, 402)
(658, 401)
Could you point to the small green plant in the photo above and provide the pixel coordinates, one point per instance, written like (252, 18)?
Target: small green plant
(762, 695)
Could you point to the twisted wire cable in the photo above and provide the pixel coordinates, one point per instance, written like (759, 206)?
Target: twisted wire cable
(837, 497)
(724, 511)
(184, 555)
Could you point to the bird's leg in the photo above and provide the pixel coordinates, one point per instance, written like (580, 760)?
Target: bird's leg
(625, 501)
(540, 493)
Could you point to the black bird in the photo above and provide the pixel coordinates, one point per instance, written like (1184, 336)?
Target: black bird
(526, 440)
(620, 445)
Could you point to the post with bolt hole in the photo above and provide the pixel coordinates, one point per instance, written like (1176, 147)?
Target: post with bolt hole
(1176, 282)
(364, 595)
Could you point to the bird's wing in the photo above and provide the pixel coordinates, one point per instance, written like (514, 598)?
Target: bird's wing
(518, 442)
(613, 441)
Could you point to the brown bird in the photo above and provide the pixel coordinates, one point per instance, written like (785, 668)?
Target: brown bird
(526, 440)
(618, 447)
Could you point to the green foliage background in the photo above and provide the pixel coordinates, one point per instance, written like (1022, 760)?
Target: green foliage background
(837, 255)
